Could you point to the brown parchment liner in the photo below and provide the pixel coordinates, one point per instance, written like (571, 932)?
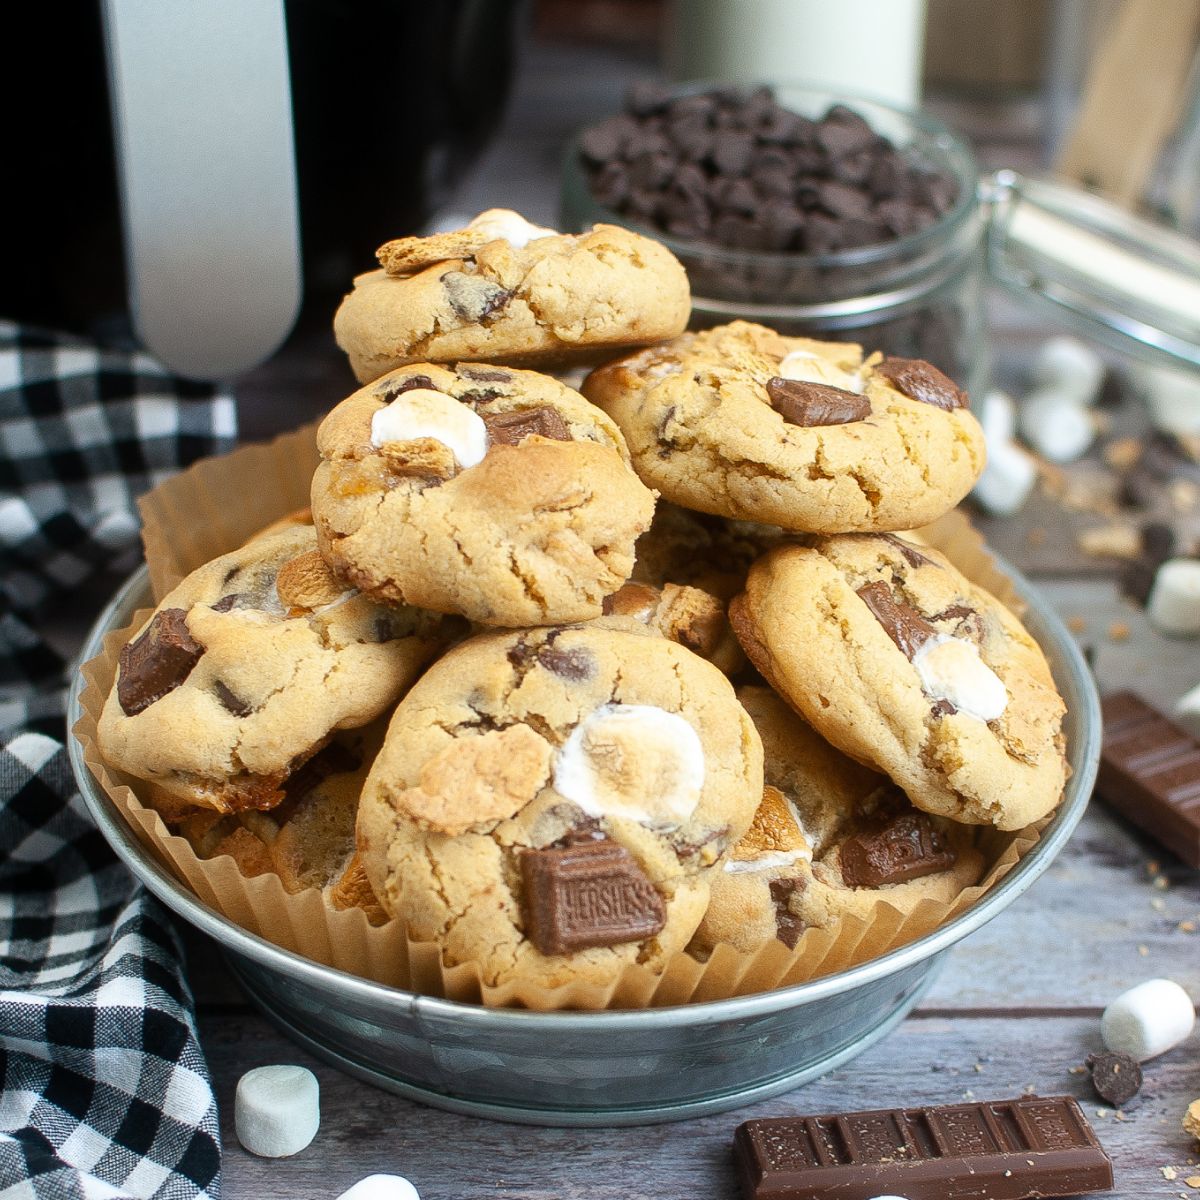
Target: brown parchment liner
(217, 505)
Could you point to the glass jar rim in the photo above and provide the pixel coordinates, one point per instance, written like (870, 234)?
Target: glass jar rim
(932, 131)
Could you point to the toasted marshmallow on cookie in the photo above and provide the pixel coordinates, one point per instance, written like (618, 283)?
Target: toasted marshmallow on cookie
(634, 761)
(509, 227)
(425, 413)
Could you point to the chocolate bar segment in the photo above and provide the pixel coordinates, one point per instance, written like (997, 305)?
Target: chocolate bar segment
(893, 850)
(810, 405)
(511, 428)
(157, 662)
(1150, 773)
(1003, 1150)
(922, 381)
(902, 623)
(586, 894)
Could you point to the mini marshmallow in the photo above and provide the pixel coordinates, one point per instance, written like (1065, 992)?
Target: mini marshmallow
(1148, 1020)
(277, 1110)
(424, 413)
(1007, 480)
(635, 761)
(1056, 426)
(510, 227)
(1071, 368)
(381, 1187)
(812, 368)
(951, 669)
(998, 416)
(1172, 397)
(1187, 711)
(1174, 603)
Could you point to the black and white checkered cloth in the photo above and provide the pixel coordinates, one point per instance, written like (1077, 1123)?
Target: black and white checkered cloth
(105, 1089)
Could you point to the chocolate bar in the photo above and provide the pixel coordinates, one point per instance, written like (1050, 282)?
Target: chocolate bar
(1150, 773)
(1035, 1146)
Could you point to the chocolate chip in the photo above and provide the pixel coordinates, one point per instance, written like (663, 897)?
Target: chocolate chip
(511, 428)
(231, 702)
(651, 171)
(901, 622)
(1158, 541)
(611, 186)
(842, 132)
(800, 402)
(232, 601)
(393, 388)
(732, 152)
(922, 381)
(383, 629)
(841, 200)
(1117, 1077)
(230, 576)
(606, 140)
(908, 551)
(574, 664)
(895, 849)
(942, 708)
(472, 297)
(157, 662)
(592, 893)
(485, 374)
(788, 926)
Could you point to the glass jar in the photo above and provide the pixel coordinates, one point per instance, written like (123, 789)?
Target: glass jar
(1133, 284)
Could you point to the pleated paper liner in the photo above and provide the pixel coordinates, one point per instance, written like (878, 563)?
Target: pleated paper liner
(219, 504)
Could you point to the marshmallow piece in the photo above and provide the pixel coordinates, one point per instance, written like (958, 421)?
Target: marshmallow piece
(510, 227)
(1173, 398)
(635, 761)
(951, 669)
(1148, 1020)
(1070, 368)
(1007, 480)
(277, 1110)
(812, 368)
(1187, 711)
(381, 1187)
(1056, 426)
(1174, 603)
(424, 413)
(998, 416)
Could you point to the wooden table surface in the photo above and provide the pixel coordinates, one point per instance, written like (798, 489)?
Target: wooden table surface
(1017, 1006)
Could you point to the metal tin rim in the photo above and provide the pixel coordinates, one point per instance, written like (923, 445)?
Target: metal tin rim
(184, 903)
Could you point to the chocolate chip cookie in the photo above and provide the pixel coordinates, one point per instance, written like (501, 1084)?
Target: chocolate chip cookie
(499, 494)
(830, 839)
(502, 290)
(551, 803)
(308, 838)
(248, 666)
(902, 663)
(744, 423)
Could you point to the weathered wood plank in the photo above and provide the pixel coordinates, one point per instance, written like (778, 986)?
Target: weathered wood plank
(448, 1157)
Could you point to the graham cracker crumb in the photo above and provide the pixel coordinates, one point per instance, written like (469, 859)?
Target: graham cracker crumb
(1118, 631)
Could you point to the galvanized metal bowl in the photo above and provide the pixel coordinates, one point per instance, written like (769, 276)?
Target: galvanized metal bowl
(610, 1068)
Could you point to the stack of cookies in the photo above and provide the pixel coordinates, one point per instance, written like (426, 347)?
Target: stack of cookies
(568, 684)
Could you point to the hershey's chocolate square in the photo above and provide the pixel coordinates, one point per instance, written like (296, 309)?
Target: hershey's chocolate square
(587, 894)
(893, 851)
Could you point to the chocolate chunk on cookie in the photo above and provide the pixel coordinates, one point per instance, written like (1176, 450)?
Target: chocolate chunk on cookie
(157, 662)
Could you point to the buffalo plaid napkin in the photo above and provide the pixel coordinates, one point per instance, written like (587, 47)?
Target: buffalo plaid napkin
(105, 1092)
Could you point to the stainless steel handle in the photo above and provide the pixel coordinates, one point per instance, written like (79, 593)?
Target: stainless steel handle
(1128, 280)
(202, 119)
